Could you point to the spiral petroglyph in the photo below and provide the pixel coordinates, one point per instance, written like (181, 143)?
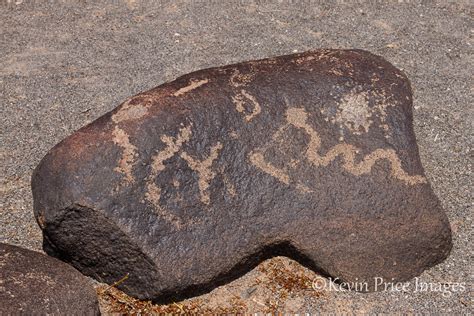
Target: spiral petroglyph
(247, 104)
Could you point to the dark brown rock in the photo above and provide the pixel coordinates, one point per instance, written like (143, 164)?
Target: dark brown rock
(189, 184)
(32, 283)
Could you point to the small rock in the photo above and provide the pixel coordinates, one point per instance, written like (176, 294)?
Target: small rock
(248, 292)
(32, 283)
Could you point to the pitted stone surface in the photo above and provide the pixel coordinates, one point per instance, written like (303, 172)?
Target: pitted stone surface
(32, 283)
(187, 185)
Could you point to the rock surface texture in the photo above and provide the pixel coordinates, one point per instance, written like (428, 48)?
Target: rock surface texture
(32, 283)
(191, 183)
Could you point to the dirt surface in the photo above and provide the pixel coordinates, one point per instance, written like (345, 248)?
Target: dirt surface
(62, 65)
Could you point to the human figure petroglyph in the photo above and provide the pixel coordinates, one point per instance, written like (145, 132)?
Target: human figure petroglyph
(203, 168)
(172, 146)
(153, 192)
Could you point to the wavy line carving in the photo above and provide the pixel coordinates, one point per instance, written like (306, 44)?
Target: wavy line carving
(297, 117)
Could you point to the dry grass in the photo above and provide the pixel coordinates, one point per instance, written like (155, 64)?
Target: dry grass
(115, 301)
(273, 282)
(284, 279)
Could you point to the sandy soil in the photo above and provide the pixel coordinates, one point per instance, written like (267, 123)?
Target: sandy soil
(63, 64)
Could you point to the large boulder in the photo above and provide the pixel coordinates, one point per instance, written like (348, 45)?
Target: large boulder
(189, 184)
(32, 283)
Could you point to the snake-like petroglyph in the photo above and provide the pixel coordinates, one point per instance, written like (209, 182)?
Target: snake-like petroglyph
(297, 117)
(244, 98)
(258, 160)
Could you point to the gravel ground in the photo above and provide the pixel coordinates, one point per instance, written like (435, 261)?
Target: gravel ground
(63, 65)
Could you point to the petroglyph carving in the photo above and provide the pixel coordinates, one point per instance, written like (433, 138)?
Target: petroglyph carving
(121, 138)
(203, 168)
(194, 84)
(128, 111)
(297, 117)
(238, 79)
(172, 147)
(258, 160)
(354, 112)
(153, 192)
(244, 98)
(127, 160)
(229, 185)
(356, 115)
